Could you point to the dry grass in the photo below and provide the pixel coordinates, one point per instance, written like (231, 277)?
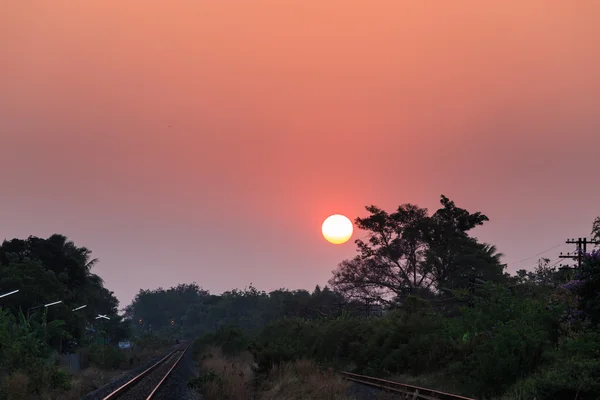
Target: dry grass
(92, 378)
(304, 380)
(16, 386)
(89, 380)
(231, 376)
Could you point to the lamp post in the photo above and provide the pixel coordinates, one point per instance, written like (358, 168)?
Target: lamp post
(100, 316)
(43, 305)
(9, 293)
(78, 321)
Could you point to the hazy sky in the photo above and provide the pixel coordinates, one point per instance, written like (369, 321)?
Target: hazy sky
(283, 112)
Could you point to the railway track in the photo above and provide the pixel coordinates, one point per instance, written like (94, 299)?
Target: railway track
(406, 391)
(145, 385)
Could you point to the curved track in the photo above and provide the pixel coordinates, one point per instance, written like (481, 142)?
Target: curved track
(407, 391)
(145, 385)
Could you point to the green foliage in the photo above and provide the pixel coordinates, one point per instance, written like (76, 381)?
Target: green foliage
(231, 339)
(200, 381)
(248, 309)
(507, 339)
(106, 356)
(163, 311)
(52, 269)
(61, 380)
(519, 342)
(574, 372)
(150, 341)
(23, 348)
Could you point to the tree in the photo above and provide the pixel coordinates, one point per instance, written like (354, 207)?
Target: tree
(596, 229)
(451, 252)
(164, 308)
(52, 269)
(409, 250)
(391, 259)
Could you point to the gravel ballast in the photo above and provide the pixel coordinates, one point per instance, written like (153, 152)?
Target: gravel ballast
(105, 390)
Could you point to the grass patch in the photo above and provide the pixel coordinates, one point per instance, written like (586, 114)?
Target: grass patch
(224, 377)
(232, 377)
(303, 379)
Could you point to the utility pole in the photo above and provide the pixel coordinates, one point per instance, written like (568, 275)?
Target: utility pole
(581, 250)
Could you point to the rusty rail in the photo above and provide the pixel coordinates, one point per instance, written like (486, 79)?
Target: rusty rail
(123, 390)
(408, 391)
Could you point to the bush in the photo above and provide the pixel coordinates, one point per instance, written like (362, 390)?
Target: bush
(106, 356)
(574, 372)
(525, 342)
(282, 341)
(15, 386)
(151, 341)
(231, 339)
(60, 380)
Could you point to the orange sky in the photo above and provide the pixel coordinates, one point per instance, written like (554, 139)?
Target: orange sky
(283, 112)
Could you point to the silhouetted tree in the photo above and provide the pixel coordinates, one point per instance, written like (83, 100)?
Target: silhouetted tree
(410, 251)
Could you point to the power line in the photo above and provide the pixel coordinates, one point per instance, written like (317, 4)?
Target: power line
(557, 261)
(538, 254)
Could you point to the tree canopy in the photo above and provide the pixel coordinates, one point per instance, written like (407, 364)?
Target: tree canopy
(192, 310)
(409, 250)
(55, 269)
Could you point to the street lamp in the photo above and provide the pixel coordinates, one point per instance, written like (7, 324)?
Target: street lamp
(43, 305)
(9, 293)
(79, 308)
(103, 317)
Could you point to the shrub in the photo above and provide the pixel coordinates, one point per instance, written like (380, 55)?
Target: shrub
(573, 373)
(151, 341)
(16, 386)
(106, 356)
(231, 340)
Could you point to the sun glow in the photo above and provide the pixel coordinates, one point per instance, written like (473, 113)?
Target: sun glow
(337, 229)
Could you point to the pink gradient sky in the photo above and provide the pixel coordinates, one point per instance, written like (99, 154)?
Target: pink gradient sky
(282, 113)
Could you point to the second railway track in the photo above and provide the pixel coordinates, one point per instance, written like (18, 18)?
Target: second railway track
(401, 389)
(145, 385)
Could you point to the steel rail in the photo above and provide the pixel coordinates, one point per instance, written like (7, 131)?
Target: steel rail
(130, 383)
(410, 391)
(167, 374)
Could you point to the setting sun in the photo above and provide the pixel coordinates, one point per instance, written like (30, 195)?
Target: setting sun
(337, 229)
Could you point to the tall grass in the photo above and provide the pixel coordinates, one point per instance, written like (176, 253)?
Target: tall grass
(232, 377)
(303, 379)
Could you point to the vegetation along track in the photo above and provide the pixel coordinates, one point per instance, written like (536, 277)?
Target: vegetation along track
(145, 385)
(406, 391)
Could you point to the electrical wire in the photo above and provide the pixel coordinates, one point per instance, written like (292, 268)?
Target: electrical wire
(538, 254)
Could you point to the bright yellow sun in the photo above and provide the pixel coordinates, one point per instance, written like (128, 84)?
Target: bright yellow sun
(337, 229)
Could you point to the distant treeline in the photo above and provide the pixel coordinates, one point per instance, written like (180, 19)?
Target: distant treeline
(453, 319)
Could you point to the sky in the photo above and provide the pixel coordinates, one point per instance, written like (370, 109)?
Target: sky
(206, 141)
